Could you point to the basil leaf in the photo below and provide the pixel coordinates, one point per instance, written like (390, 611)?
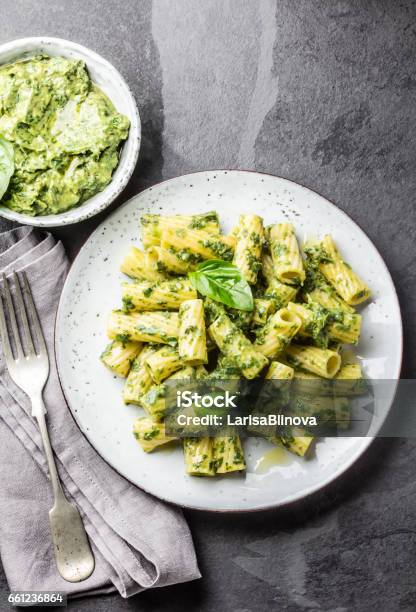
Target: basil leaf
(222, 281)
(6, 165)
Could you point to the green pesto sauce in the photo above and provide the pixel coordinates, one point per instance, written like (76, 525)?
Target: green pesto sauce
(65, 132)
(200, 222)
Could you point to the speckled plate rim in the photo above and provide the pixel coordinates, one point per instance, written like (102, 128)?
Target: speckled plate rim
(122, 173)
(343, 469)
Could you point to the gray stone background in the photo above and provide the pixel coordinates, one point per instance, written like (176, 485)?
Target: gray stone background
(321, 92)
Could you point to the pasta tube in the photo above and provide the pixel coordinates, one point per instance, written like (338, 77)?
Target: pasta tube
(347, 330)
(193, 245)
(226, 369)
(232, 342)
(199, 456)
(280, 391)
(279, 371)
(297, 444)
(332, 410)
(136, 265)
(342, 412)
(287, 260)
(321, 407)
(296, 441)
(240, 318)
(280, 328)
(263, 308)
(234, 232)
(118, 356)
(328, 298)
(162, 295)
(279, 292)
(154, 400)
(267, 268)
(166, 261)
(306, 316)
(322, 362)
(306, 383)
(350, 371)
(350, 381)
(150, 434)
(228, 454)
(192, 335)
(314, 320)
(322, 324)
(154, 225)
(138, 381)
(163, 363)
(213, 310)
(339, 274)
(160, 327)
(247, 254)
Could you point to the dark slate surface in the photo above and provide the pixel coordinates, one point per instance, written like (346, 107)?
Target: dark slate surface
(323, 93)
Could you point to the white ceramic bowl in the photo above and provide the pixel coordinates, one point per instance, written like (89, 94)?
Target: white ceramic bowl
(111, 82)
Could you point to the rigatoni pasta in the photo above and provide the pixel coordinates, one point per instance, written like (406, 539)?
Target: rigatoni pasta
(192, 335)
(162, 327)
(150, 434)
(199, 456)
(162, 295)
(192, 246)
(138, 381)
(346, 329)
(175, 323)
(163, 362)
(280, 328)
(154, 225)
(228, 454)
(232, 342)
(350, 380)
(338, 273)
(154, 400)
(326, 296)
(248, 248)
(137, 265)
(322, 362)
(296, 441)
(167, 262)
(280, 292)
(119, 355)
(263, 308)
(287, 260)
(267, 268)
(279, 371)
(312, 323)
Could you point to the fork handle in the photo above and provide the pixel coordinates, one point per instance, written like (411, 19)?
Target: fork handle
(39, 411)
(73, 554)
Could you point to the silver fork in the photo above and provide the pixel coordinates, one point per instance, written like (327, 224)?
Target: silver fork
(29, 369)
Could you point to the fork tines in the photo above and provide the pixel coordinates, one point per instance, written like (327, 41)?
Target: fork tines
(27, 315)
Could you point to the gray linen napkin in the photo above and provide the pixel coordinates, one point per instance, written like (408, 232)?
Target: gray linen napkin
(138, 542)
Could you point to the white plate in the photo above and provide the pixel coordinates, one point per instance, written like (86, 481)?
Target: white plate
(93, 289)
